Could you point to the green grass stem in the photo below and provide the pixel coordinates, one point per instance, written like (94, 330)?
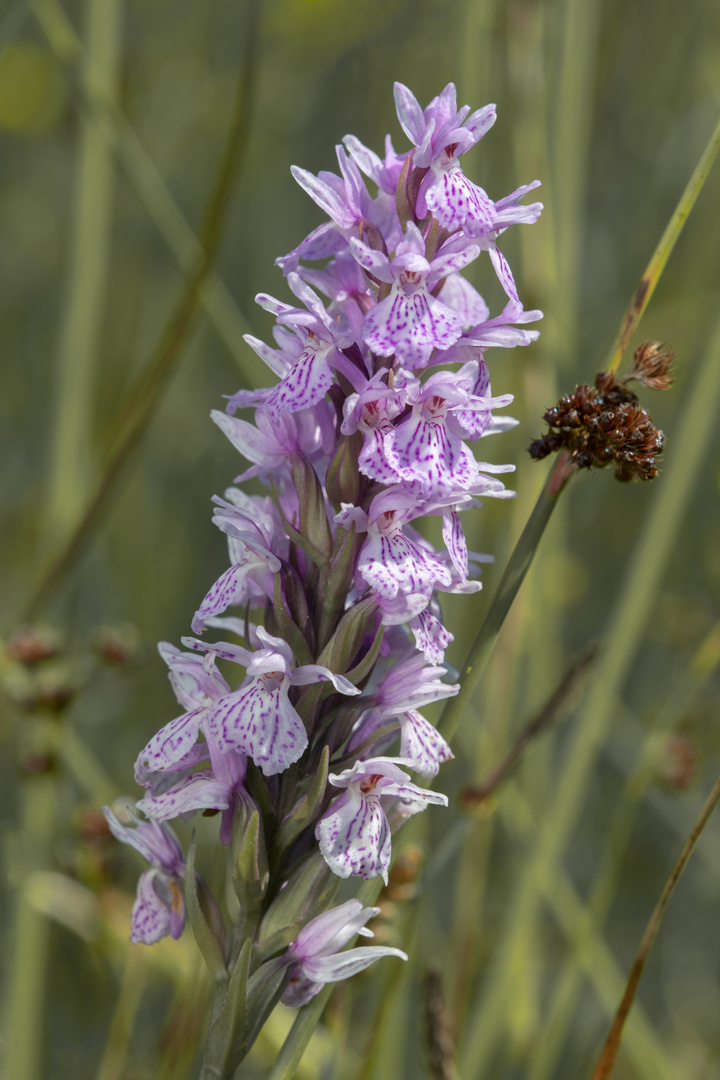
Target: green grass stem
(25, 981)
(595, 959)
(72, 448)
(518, 566)
(150, 187)
(564, 1000)
(629, 619)
(147, 393)
(606, 1064)
(660, 256)
(113, 1064)
(309, 1015)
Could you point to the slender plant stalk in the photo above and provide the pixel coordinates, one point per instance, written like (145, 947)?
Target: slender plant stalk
(114, 1060)
(25, 984)
(556, 703)
(565, 995)
(512, 579)
(69, 483)
(147, 393)
(308, 1016)
(573, 919)
(82, 765)
(660, 256)
(661, 528)
(72, 444)
(606, 1064)
(148, 184)
(569, 157)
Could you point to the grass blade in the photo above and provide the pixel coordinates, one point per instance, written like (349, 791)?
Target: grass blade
(147, 394)
(660, 256)
(606, 1063)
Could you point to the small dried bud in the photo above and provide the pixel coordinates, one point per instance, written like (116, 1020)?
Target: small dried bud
(676, 762)
(117, 644)
(32, 644)
(92, 826)
(37, 763)
(652, 365)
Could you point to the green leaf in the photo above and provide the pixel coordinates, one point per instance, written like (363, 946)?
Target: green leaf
(310, 890)
(342, 648)
(251, 874)
(277, 942)
(206, 940)
(291, 614)
(363, 669)
(314, 525)
(342, 479)
(264, 991)
(303, 812)
(338, 582)
(227, 1040)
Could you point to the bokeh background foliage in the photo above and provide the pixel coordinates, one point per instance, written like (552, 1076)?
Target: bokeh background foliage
(113, 118)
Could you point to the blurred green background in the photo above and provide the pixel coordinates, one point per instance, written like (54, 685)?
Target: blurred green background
(113, 117)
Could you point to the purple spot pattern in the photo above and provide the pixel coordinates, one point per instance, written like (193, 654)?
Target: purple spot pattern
(150, 919)
(411, 326)
(305, 384)
(355, 837)
(455, 542)
(394, 563)
(262, 724)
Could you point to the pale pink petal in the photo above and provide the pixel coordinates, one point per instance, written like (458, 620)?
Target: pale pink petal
(262, 724)
(150, 919)
(354, 836)
(411, 326)
(420, 741)
(201, 791)
(172, 742)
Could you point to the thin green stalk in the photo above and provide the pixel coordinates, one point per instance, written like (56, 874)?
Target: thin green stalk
(148, 184)
(512, 579)
(632, 611)
(569, 158)
(148, 392)
(476, 50)
(565, 995)
(81, 763)
(593, 956)
(114, 1060)
(25, 984)
(606, 1064)
(90, 249)
(660, 256)
(309, 1015)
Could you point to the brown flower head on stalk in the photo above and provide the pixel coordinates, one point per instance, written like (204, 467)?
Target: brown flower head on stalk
(605, 424)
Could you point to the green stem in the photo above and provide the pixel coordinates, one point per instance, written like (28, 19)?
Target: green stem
(146, 180)
(26, 975)
(147, 394)
(606, 1063)
(565, 995)
(512, 579)
(593, 955)
(114, 1059)
(72, 445)
(309, 1015)
(662, 252)
(631, 614)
